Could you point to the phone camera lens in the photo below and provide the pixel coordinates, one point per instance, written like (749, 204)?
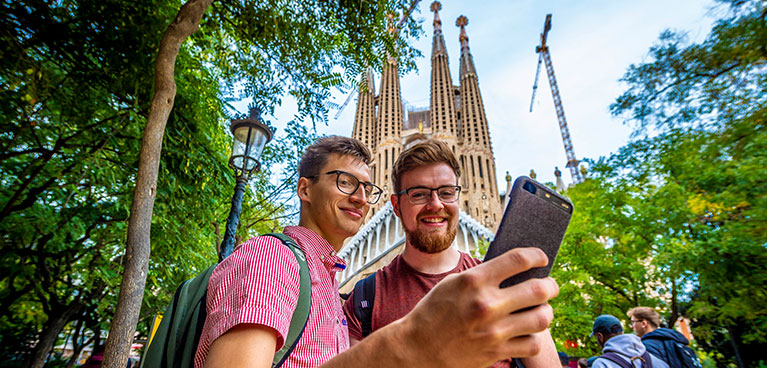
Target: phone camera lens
(528, 186)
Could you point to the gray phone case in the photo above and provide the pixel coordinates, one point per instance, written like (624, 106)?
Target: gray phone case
(536, 219)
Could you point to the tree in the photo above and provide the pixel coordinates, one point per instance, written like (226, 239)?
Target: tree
(676, 219)
(604, 265)
(295, 27)
(698, 112)
(75, 96)
(77, 82)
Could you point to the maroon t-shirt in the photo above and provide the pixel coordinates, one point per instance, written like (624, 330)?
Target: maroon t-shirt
(399, 287)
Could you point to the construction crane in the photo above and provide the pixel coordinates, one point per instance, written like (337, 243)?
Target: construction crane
(543, 55)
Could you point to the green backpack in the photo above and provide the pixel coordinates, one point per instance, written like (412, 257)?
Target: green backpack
(175, 342)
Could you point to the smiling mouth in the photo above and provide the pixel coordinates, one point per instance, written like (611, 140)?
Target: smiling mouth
(353, 212)
(434, 220)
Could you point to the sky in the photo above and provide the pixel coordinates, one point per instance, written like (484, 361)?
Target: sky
(591, 43)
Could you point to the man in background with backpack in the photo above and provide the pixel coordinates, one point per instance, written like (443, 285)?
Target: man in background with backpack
(619, 350)
(426, 192)
(466, 321)
(665, 343)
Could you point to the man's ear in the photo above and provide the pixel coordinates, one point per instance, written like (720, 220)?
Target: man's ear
(303, 189)
(395, 205)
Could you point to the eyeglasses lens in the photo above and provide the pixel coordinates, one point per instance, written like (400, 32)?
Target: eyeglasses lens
(423, 195)
(348, 184)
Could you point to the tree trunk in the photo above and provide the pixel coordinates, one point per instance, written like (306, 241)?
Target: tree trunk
(734, 342)
(49, 334)
(674, 304)
(137, 248)
(77, 348)
(77, 352)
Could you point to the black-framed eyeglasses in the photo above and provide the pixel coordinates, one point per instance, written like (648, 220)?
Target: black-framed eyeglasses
(422, 195)
(348, 184)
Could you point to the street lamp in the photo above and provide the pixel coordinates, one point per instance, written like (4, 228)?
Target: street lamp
(250, 137)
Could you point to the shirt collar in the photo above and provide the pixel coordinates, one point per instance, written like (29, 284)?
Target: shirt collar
(316, 247)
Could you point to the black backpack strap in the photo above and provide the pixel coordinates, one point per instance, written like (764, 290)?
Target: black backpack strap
(615, 358)
(301, 315)
(364, 297)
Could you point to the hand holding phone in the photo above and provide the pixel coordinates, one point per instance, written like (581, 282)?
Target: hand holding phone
(536, 216)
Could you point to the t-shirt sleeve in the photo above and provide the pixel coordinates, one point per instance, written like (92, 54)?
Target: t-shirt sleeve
(258, 284)
(355, 330)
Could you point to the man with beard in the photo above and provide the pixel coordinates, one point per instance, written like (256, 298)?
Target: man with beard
(465, 321)
(425, 179)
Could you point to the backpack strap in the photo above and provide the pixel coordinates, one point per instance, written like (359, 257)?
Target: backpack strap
(364, 297)
(175, 341)
(647, 358)
(615, 358)
(301, 314)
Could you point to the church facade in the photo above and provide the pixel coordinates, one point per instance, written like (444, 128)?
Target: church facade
(456, 115)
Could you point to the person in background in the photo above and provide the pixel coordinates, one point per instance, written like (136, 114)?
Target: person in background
(617, 346)
(660, 341)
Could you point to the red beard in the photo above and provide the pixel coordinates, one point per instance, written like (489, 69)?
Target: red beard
(431, 242)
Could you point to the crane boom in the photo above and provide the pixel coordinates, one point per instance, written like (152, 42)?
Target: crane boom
(543, 50)
(535, 84)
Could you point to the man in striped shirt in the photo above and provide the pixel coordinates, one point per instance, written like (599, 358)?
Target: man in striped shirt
(464, 322)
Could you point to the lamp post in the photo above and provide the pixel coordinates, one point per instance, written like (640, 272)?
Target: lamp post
(250, 136)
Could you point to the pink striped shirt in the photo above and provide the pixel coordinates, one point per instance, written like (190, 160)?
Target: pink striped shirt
(259, 284)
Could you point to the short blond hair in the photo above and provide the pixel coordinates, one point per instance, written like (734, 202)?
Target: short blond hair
(645, 314)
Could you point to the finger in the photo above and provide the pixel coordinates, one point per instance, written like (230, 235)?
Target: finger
(528, 294)
(513, 262)
(531, 321)
(523, 347)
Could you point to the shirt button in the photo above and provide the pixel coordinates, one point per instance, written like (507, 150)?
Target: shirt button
(322, 257)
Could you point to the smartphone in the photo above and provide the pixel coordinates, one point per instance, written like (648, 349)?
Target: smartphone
(536, 216)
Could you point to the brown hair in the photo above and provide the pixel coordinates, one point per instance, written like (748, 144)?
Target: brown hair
(424, 153)
(316, 156)
(645, 314)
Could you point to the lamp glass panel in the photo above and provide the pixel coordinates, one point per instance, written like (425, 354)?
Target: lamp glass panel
(252, 148)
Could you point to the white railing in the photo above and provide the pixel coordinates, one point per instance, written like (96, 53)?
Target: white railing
(383, 233)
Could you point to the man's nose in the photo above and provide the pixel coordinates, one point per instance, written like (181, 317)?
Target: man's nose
(434, 201)
(359, 195)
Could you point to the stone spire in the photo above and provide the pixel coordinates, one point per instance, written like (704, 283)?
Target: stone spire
(365, 118)
(467, 62)
(442, 105)
(438, 44)
(389, 124)
(477, 150)
(508, 193)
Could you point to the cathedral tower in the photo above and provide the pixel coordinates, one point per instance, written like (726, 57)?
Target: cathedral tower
(456, 115)
(365, 118)
(442, 106)
(482, 201)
